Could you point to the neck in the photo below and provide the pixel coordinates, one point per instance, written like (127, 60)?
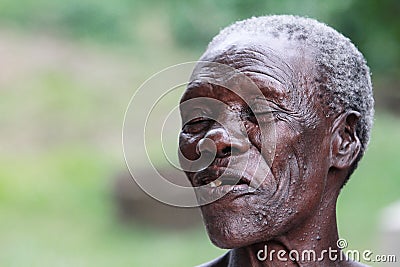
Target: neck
(309, 243)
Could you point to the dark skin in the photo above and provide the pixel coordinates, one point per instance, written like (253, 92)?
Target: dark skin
(294, 208)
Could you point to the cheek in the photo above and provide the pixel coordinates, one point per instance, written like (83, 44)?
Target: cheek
(300, 168)
(264, 141)
(305, 154)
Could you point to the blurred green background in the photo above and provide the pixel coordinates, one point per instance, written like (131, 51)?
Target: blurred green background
(67, 72)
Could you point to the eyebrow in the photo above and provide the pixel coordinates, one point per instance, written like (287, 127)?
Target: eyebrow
(269, 91)
(193, 85)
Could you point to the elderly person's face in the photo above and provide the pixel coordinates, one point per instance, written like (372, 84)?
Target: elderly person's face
(294, 187)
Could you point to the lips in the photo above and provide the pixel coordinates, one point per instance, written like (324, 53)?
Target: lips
(215, 176)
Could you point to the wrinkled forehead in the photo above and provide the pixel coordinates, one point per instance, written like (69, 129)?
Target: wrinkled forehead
(248, 65)
(250, 54)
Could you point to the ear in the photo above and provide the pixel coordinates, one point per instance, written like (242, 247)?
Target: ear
(345, 144)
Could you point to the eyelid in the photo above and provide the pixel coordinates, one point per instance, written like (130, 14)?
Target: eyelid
(197, 119)
(196, 116)
(195, 113)
(196, 125)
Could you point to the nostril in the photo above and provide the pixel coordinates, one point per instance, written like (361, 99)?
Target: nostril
(226, 151)
(231, 150)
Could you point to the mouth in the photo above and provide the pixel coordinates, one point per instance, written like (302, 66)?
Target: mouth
(220, 176)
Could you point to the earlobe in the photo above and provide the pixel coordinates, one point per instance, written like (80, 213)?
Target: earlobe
(345, 145)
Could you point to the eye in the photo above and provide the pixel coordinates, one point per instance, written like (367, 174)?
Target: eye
(196, 119)
(250, 116)
(261, 116)
(196, 125)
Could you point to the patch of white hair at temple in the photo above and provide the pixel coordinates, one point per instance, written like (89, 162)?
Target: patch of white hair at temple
(342, 71)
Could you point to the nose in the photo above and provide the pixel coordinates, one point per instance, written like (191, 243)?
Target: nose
(218, 141)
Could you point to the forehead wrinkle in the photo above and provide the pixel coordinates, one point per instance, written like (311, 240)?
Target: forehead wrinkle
(262, 47)
(268, 54)
(261, 64)
(257, 62)
(274, 75)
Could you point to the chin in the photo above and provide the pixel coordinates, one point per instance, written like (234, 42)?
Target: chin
(229, 241)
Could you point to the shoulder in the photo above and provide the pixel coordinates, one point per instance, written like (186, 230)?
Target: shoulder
(222, 261)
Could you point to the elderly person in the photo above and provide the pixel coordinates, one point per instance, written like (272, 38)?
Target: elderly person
(317, 93)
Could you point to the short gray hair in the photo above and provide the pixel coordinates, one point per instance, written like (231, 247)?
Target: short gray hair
(341, 68)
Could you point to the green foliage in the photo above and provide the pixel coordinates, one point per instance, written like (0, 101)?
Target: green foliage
(195, 23)
(102, 20)
(373, 25)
